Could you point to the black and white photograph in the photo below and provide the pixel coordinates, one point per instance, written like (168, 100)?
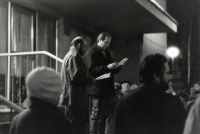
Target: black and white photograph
(99, 66)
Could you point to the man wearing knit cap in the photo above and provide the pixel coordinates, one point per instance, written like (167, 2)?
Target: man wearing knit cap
(44, 87)
(75, 80)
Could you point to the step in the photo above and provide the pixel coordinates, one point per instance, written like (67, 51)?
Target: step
(6, 116)
(4, 127)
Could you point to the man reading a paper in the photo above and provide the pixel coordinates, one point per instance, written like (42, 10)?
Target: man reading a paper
(99, 61)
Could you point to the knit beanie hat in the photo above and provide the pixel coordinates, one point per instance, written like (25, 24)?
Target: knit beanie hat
(44, 83)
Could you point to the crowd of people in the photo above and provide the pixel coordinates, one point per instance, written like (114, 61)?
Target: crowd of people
(102, 106)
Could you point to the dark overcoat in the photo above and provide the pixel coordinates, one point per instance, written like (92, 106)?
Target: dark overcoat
(96, 61)
(41, 118)
(149, 110)
(75, 78)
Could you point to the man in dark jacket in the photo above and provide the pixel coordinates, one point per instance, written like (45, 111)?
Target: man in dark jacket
(148, 109)
(44, 87)
(75, 80)
(99, 61)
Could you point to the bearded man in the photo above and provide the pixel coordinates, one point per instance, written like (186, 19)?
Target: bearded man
(149, 109)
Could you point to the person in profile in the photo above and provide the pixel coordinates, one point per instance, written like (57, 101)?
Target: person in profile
(149, 109)
(44, 87)
(75, 80)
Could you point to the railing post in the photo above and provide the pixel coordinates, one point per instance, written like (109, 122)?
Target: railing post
(57, 44)
(20, 81)
(36, 40)
(27, 64)
(50, 61)
(42, 60)
(9, 44)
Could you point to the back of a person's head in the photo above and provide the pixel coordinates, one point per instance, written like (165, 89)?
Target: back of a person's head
(103, 35)
(44, 83)
(125, 81)
(77, 40)
(152, 64)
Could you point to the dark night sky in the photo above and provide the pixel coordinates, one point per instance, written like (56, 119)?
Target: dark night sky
(185, 12)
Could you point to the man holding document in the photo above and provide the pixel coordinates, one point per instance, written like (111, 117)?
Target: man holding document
(99, 62)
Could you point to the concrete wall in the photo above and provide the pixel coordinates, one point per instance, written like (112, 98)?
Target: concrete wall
(66, 33)
(154, 43)
(127, 49)
(63, 40)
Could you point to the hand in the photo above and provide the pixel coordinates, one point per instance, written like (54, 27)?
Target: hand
(61, 99)
(112, 65)
(91, 80)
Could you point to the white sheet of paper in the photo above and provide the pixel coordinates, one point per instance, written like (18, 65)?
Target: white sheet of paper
(122, 61)
(104, 76)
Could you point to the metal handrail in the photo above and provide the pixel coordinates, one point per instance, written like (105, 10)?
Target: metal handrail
(32, 53)
(10, 104)
(57, 59)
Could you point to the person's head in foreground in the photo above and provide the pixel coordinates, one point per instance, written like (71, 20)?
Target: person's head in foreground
(155, 69)
(45, 84)
(44, 87)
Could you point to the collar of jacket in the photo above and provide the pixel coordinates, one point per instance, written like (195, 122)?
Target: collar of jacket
(74, 51)
(152, 87)
(39, 104)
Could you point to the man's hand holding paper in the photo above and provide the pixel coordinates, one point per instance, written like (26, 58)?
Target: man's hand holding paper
(117, 64)
(122, 62)
(112, 66)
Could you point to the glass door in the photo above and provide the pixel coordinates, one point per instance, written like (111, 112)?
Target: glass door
(21, 41)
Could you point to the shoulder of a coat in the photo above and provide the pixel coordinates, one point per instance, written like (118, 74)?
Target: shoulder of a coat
(90, 51)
